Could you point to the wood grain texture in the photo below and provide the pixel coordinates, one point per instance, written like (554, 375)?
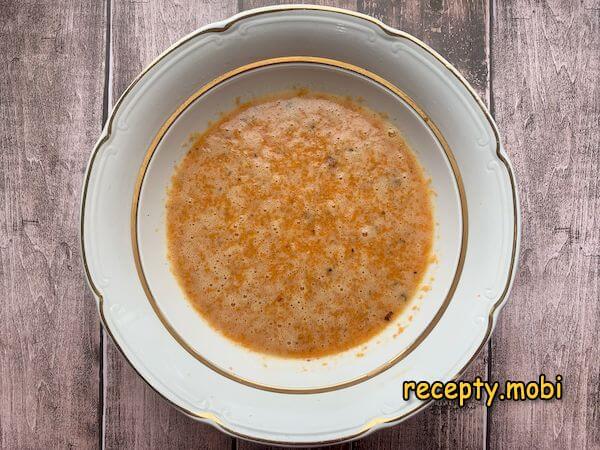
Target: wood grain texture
(459, 31)
(544, 71)
(135, 416)
(546, 97)
(51, 80)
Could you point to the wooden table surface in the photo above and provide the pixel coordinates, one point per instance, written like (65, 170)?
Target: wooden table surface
(63, 383)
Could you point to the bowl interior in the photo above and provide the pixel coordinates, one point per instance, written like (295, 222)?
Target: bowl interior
(233, 360)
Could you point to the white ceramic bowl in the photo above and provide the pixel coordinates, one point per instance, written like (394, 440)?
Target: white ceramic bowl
(261, 51)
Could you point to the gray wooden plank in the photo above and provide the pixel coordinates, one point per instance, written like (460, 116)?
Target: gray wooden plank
(51, 83)
(459, 31)
(135, 416)
(546, 97)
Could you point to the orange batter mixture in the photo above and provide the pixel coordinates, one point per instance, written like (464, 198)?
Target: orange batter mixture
(300, 224)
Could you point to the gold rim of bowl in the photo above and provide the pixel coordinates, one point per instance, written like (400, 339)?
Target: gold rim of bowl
(207, 88)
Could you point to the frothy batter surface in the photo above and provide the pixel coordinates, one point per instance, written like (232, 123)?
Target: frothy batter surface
(300, 224)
